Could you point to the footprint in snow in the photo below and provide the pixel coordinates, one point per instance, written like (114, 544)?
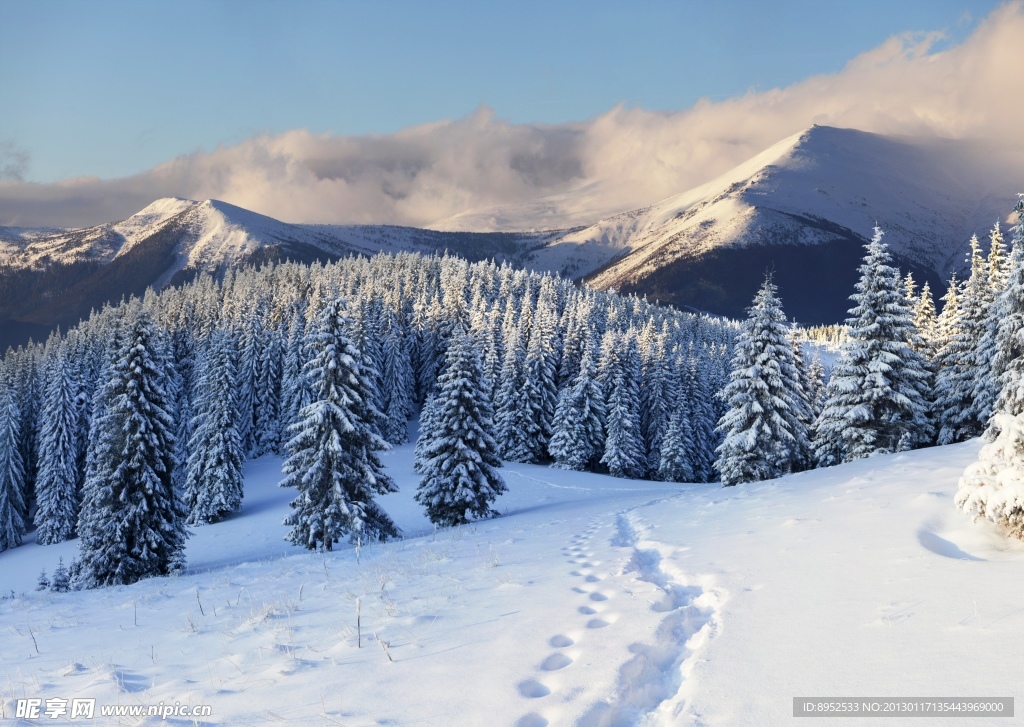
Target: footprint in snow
(555, 661)
(533, 689)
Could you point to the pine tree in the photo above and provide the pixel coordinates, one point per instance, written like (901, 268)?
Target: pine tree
(816, 386)
(512, 425)
(986, 383)
(765, 427)
(397, 383)
(676, 463)
(250, 346)
(658, 392)
(56, 483)
(540, 383)
(61, 581)
(12, 471)
(213, 484)
(427, 424)
(460, 461)
(295, 389)
(993, 487)
(578, 439)
(267, 397)
(1008, 361)
(876, 398)
(926, 322)
(42, 582)
(131, 525)
(624, 443)
(332, 460)
(958, 367)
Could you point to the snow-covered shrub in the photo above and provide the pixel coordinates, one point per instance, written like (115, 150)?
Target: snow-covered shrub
(993, 487)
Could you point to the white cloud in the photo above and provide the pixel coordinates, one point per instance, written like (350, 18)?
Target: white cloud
(627, 156)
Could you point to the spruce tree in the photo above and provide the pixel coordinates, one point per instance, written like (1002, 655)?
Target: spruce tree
(57, 481)
(876, 399)
(397, 383)
(332, 458)
(295, 389)
(61, 580)
(213, 483)
(1008, 360)
(624, 444)
(12, 471)
(765, 426)
(512, 416)
(958, 367)
(987, 384)
(267, 397)
(132, 521)
(578, 439)
(539, 394)
(676, 462)
(460, 478)
(993, 487)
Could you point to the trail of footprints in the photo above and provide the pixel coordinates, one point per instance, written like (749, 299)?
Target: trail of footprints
(585, 568)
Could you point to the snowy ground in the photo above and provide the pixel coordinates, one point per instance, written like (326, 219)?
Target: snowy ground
(592, 601)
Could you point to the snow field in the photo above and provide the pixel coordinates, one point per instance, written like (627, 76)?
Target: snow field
(591, 601)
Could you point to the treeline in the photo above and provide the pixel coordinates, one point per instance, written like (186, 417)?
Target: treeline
(136, 423)
(906, 377)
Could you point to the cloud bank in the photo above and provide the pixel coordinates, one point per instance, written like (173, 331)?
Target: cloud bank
(625, 158)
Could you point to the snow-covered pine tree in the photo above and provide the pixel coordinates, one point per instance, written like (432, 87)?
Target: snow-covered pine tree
(540, 378)
(295, 389)
(511, 418)
(61, 580)
(816, 387)
(986, 383)
(42, 582)
(57, 481)
(266, 437)
(578, 439)
(926, 322)
(958, 368)
(993, 487)
(427, 425)
(676, 463)
(332, 458)
(876, 398)
(250, 346)
(624, 444)
(397, 382)
(700, 395)
(12, 471)
(659, 393)
(213, 483)
(460, 477)
(765, 427)
(1008, 361)
(132, 521)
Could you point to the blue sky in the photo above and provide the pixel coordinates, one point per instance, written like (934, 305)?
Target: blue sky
(114, 87)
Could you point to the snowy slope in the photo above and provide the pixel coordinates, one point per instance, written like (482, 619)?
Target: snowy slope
(591, 601)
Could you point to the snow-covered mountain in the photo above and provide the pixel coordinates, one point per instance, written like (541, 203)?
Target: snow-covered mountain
(801, 208)
(55, 276)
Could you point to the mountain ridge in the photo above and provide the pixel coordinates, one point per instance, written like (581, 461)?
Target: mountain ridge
(801, 208)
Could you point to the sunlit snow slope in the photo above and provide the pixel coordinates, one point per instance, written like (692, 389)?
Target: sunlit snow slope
(590, 601)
